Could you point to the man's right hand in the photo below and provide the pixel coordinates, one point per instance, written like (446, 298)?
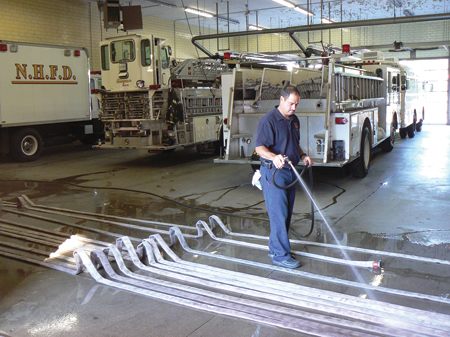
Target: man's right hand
(278, 161)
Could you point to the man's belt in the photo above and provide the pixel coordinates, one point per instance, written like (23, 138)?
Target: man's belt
(267, 164)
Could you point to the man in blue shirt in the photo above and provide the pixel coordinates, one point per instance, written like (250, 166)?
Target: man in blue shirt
(278, 136)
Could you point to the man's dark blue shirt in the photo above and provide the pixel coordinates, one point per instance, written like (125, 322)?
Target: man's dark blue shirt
(279, 135)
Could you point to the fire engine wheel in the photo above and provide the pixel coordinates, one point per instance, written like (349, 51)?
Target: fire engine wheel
(388, 144)
(360, 166)
(403, 133)
(419, 127)
(26, 145)
(411, 129)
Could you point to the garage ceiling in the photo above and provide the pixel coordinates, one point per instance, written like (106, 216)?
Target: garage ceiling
(271, 14)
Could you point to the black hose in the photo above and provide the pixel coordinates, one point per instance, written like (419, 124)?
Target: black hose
(310, 188)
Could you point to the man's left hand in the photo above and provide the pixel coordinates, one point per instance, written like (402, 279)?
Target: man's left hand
(308, 161)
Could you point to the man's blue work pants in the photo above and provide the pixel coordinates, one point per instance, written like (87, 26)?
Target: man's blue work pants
(279, 204)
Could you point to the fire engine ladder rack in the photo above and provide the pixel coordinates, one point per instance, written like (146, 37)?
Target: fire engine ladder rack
(310, 88)
(199, 70)
(356, 88)
(216, 290)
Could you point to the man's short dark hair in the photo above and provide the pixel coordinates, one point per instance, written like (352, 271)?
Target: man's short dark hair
(288, 90)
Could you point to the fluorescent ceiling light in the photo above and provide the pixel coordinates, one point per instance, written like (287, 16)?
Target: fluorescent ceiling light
(209, 15)
(162, 3)
(196, 11)
(285, 3)
(407, 12)
(254, 27)
(326, 21)
(303, 11)
(291, 5)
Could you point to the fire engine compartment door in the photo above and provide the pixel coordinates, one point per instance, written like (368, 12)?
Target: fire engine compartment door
(356, 120)
(206, 128)
(312, 134)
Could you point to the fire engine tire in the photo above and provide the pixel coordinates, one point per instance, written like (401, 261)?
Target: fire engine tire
(403, 133)
(89, 139)
(411, 129)
(360, 167)
(26, 145)
(388, 143)
(419, 127)
(219, 144)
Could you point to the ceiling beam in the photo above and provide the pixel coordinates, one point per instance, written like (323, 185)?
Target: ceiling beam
(316, 27)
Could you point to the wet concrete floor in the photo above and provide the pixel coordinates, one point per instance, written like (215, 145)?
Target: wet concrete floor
(401, 207)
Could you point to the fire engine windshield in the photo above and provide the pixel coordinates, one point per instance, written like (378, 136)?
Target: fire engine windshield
(122, 51)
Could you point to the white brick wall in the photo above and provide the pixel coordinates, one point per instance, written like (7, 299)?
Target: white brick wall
(79, 23)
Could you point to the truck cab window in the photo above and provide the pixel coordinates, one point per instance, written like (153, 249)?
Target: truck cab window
(105, 57)
(164, 58)
(146, 53)
(122, 51)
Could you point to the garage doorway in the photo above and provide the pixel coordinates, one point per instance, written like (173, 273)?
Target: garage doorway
(435, 75)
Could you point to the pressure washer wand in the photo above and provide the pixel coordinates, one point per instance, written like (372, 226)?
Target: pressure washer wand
(374, 264)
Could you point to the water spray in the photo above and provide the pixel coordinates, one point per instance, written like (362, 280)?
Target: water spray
(377, 264)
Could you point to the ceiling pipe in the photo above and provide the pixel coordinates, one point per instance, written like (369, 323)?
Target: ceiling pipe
(299, 44)
(334, 25)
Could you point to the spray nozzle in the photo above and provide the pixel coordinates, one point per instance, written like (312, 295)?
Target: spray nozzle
(286, 159)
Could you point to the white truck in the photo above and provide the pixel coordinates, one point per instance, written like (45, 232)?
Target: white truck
(150, 102)
(404, 91)
(44, 93)
(341, 112)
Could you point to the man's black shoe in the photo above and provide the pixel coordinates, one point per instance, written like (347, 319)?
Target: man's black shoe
(289, 263)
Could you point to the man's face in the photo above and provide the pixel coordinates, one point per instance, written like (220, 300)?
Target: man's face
(288, 105)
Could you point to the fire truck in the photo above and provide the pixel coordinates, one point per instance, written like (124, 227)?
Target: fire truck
(342, 112)
(150, 102)
(44, 94)
(404, 91)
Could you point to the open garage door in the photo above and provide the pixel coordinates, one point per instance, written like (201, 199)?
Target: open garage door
(434, 73)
